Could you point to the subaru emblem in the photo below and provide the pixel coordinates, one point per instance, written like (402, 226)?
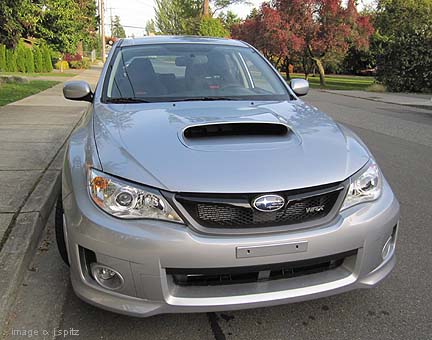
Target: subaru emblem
(268, 203)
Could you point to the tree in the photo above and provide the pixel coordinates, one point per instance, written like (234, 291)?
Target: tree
(150, 27)
(10, 25)
(11, 65)
(314, 29)
(117, 29)
(212, 27)
(64, 24)
(46, 59)
(404, 34)
(229, 19)
(177, 17)
(21, 57)
(29, 61)
(38, 64)
(325, 27)
(2, 58)
(268, 31)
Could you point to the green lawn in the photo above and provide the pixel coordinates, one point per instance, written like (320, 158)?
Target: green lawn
(339, 82)
(49, 74)
(12, 92)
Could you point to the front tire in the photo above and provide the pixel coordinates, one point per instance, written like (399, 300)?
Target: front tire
(59, 231)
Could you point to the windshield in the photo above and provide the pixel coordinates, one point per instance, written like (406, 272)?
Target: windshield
(181, 72)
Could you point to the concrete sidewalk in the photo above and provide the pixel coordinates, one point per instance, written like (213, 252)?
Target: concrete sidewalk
(33, 132)
(423, 101)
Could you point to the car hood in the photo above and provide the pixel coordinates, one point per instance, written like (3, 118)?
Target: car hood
(145, 143)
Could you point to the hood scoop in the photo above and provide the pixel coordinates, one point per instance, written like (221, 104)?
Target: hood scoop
(237, 136)
(235, 130)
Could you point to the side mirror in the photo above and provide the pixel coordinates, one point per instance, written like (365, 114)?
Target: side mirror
(300, 87)
(78, 90)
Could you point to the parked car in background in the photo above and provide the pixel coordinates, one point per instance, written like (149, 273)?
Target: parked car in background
(199, 181)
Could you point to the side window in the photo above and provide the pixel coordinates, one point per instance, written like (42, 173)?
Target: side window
(257, 76)
(236, 70)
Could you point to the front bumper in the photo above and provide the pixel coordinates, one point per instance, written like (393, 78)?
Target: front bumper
(142, 250)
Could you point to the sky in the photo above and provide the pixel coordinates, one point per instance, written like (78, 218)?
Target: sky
(135, 13)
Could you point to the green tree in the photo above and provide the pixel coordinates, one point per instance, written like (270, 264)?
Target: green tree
(150, 27)
(10, 25)
(38, 64)
(11, 65)
(117, 28)
(2, 57)
(177, 17)
(29, 60)
(46, 59)
(404, 47)
(64, 24)
(21, 57)
(229, 19)
(212, 27)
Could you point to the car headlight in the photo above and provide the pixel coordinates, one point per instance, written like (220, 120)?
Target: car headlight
(125, 200)
(365, 186)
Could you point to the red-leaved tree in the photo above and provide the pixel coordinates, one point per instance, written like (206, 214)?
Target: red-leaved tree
(306, 29)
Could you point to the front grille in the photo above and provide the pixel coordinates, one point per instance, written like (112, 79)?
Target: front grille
(262, 273)
(236, 211)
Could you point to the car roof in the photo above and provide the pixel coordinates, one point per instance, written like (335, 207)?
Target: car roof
(165, 39)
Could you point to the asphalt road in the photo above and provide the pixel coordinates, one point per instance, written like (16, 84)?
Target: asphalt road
(400, 308)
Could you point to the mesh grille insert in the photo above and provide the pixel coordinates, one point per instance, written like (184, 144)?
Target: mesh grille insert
(236, 211)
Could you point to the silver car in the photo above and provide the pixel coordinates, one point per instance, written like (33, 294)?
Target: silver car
(198, 181)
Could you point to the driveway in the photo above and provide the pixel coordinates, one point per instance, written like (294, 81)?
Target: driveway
(401, 139)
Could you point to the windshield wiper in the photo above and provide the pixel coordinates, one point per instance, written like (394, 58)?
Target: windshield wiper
(201, 99)
(126, 100)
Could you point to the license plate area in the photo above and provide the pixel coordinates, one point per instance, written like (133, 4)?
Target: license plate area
(271, 249)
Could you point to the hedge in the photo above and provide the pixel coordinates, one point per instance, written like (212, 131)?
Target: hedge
(2, 58)
(46, 59)
(38, 64)
(21, 57)
(11, 63)
(30, 64)
(25, 59)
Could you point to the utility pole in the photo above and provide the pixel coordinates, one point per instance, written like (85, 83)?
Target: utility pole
(102, 18)
(111, 24)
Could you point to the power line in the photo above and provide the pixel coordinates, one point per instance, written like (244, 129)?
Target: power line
(139, 27)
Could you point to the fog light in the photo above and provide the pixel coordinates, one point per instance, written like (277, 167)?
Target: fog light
(387, 248)
(107, 277)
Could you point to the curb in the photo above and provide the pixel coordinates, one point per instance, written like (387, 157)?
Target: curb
(17, 251)
(419, 106)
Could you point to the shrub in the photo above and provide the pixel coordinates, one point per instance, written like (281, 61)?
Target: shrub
(2, 58)
(30, 67)
(21, 57)
(62, 63)
(81, 64)
(38, 63)
(72, 57)
(46, 59)
(11, 65)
